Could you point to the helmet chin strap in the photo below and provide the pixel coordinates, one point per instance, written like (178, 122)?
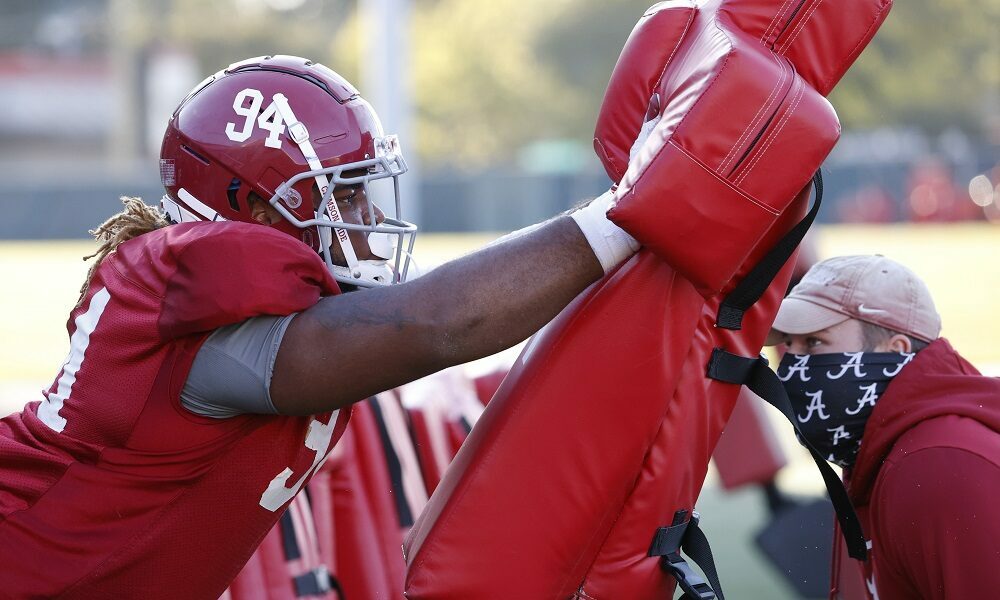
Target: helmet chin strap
(300, 135)
(374, 273)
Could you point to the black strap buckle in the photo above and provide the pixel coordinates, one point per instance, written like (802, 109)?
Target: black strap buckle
(753, 372)
(667, 543)
(693, 585)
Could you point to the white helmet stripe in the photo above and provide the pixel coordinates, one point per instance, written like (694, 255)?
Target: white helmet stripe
(300, 135)
(201, 209)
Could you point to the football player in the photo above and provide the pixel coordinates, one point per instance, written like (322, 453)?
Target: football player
(213, 358)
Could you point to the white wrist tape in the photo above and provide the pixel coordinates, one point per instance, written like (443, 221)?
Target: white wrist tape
(611, 244)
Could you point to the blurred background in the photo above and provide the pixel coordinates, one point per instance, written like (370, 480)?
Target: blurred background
(495, 104)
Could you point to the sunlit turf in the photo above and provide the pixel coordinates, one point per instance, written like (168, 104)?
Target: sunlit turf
(961, 264)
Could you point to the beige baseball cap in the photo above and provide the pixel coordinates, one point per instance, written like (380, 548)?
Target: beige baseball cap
(868, 288)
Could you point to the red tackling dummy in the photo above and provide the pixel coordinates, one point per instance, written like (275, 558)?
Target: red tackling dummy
(743, 119)
(605, 425)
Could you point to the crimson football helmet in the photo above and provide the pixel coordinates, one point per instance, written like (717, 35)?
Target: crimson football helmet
(278, 126)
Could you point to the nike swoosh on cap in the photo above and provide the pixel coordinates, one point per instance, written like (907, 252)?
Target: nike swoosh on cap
(870, 311)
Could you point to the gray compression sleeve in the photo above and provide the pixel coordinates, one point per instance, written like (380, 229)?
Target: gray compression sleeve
(231, 374)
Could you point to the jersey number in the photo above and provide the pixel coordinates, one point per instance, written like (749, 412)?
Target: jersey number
(318, 440)
(48, 411)
(269, 120)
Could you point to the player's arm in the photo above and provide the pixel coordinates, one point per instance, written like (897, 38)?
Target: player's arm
(350, 346)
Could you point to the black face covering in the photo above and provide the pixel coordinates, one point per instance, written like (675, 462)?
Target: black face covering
(832, 396)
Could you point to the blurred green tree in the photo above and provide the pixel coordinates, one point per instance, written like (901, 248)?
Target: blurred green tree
(934, 64)
(491, 77)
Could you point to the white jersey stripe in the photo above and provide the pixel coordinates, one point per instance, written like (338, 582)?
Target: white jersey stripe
(48, 411)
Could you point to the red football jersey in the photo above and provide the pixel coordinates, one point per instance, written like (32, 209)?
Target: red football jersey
(108, 487)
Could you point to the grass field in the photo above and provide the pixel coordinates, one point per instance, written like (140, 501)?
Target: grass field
(961, 264)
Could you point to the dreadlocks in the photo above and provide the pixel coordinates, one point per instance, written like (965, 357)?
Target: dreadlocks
(136, 219)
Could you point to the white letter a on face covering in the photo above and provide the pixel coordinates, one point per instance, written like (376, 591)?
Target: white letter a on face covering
(839, 433)
(869, 398)
(801, 367)
(907, 357)
(815, 406)
(853, 363)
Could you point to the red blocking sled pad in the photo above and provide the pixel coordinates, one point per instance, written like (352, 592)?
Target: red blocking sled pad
(604, 427)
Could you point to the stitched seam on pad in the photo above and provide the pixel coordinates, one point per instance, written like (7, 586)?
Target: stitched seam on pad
(791, 33)
(800, 26)
(753, 122)
(687, 26)
(785, 119)
(759, 116)
(775, 20)
(724, 181)
(769, 138)
(715, 79)
(659, 82)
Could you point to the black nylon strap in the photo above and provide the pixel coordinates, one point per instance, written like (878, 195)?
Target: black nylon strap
(752, 287)
(732, 368)
(288, 541)
(393, 466)
(761, 380)
(668, 542)
(696, 546)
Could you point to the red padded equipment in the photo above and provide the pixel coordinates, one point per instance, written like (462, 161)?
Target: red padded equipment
(370, 455)
(362, 567)
(320, 492)
(488, 384)
(734, 155)
(429, 467)
(743, 126)
(748, 452)
(290, 550)
(604, 427)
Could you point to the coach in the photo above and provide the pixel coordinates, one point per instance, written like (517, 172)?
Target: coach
(915, 426)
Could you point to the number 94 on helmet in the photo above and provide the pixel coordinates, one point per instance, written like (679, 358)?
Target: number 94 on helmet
(297, 136)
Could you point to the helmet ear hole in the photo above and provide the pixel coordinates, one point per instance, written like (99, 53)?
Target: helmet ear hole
(234, 187)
